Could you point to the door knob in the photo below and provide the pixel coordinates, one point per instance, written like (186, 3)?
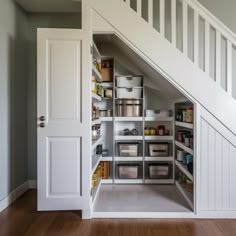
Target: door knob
(42, 118)
(42, 125)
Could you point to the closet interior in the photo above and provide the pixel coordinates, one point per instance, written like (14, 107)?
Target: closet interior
(142, 135)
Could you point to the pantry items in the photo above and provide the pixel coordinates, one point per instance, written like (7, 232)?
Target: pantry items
(129, 81)
(189, 115)
(190, 167)
(107, 70)
(108, 93)
(158, 113)
(181, 155)
(185, 115)
(182, 134)
(105, 113)
(105, 169)
(126, 171)
(160, 171)
(129, 108)
(99, 150)
(187, 159)
(95, 112)
(96, 131)
(95, 180)
(105, 152)
(128, 149)
(129, 93)
(189, 186)
(158, 149)
(160, 130)
(128, 132)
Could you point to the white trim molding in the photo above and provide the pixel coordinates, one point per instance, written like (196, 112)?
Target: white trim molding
(7, 201)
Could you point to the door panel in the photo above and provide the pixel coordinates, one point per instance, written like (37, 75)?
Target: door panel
(64, 97)
(64, 167)
(64, 115)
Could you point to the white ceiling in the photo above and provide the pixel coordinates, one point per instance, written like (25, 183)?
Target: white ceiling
(50, 5)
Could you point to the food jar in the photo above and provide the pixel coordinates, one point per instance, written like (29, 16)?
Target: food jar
(146, 131)
(184, 115)
(152, 131)
(189, 115)
(187, 140)
(161, 130)
(180, 155)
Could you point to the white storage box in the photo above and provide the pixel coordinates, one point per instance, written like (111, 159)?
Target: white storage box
(129, 81)
(159, 171)
(129, 93)
(157, 113)
(128, 171)
(128, 149)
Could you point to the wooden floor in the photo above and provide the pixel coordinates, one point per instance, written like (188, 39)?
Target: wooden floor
(21, 218)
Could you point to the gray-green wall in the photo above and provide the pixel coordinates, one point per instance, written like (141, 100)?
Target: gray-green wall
(13, 97)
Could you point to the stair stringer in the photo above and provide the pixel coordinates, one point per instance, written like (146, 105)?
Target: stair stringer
(168, 60)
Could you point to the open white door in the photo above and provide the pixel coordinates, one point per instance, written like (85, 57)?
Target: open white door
(64, 109)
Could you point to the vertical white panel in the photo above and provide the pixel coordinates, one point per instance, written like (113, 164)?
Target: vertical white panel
(232, 177)
(207, 48)
(226, 175)
(173, 22)
(64, 166)
(150, 12)
(64, 73)
(212, 167)
(128, 2)
(204, 166)
(185, 28)
(196, 38)
(218, 57)
(218, 171)
(139, 7)
(162, 17)
(229, 67)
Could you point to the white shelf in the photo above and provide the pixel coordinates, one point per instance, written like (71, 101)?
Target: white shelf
(96, 98)
(159, 138)
(167, 119)
(185, 125)
(96, 142)
(128, 118)
(159, 181)
(105, 119)
(107, 85)
(188, 196)
(128, 181)
(187, 149)
(184, 169)
(97, 74)
(107, 181)
(96, 53)
(159, 158)
(107, 159)
(128, 158)
(96, 122)
(95, 162)
(95, 190)
(128, 137)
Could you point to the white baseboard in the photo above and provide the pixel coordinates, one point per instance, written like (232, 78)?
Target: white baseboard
(32, 184)
(7, 201)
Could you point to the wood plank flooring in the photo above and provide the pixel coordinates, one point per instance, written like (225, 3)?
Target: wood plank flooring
(22, 219)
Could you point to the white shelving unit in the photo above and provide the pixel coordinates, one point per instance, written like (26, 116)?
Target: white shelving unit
(95, 191)
(106, 119)
(189, 127)
(182, 146)
(95, 162)
(129, 159)
(96, 142)
(167, 119)
(96, 98)
(159, 181)
(128, 119)
(128, 181)
(157, 159)
(128, 137)
(188, 196)
(184, 169)
(184, 125)
(159, 138)
(96, 122)
(97, 74)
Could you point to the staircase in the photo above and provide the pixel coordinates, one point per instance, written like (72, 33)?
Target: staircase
(190, 47)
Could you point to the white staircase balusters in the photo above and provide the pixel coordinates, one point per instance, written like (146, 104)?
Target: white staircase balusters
(210, 21)
(162, 17)
(173, 22)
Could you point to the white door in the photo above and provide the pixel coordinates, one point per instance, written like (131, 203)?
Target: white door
(64, 108)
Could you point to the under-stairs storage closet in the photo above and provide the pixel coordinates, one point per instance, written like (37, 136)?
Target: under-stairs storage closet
(140, 139)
